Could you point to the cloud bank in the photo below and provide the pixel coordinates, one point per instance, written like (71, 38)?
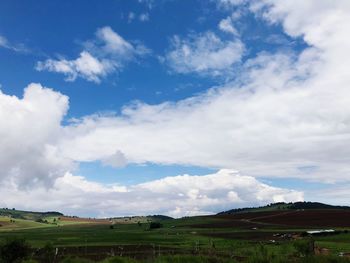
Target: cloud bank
(286, 111)
(176, 196)
(286, 115)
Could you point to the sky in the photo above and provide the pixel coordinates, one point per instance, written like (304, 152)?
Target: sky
(118, 108)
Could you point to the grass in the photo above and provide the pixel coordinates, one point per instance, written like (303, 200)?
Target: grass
(9, 223)
(184, 236)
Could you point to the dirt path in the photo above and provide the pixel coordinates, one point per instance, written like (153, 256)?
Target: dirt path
(255, 221)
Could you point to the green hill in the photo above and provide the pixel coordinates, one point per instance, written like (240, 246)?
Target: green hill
(284, 206)
(27, 215)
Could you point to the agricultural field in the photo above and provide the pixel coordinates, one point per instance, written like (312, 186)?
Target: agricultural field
(237, 237)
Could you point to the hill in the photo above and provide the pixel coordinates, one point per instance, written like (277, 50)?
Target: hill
(285, 206)
(27, 215)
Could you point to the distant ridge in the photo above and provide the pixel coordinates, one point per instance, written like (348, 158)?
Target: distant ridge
(284, 206)
(28, 215)
(160, 217)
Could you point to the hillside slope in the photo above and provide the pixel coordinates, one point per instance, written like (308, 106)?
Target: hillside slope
(27, 215)
(285, 206)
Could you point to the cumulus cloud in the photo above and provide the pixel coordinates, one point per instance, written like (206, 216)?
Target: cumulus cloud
(106, 54)
(115, 160)
(177, 196)
(29, 129)
(204, 54)
(286, 111)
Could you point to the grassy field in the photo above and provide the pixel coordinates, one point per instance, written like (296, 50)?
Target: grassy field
(225, 237)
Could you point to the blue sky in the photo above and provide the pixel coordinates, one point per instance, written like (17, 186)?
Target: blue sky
(142, 92)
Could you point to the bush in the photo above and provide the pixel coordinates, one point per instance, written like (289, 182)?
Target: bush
(76, 260)
(39, 220)
(191, 259)
(154, 225)
(324, 259)
(262, 255)
(304, 247)
(14, 250)
(119, 260)
(48, 253)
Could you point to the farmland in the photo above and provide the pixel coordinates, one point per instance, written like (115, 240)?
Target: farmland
(274, 235)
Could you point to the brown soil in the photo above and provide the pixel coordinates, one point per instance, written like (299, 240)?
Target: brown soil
(4, 223)
(84, 220)
(308, 218)
(290, 218)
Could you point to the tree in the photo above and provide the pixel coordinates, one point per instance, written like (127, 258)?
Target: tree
(48, 252)
(305, 247)
(154, 225)
(14, 250)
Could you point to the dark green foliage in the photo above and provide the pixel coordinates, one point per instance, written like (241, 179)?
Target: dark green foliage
(323, 259)
(191, 259)
(76, 260)
(154, 225)
(160, 217)
(14, 250)
(262, 255)
(120, 260)
(304, 247)
(285, 206)
(48, 253)
(315, 205)
(40, 220)
(27, 214)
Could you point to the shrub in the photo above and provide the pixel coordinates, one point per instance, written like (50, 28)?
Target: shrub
(304, 247)
(154, 225)
(76, 260)
(119, 260)
(262, 255)
(14, 250)
(48, 253)
(191, 259)
(324, 259)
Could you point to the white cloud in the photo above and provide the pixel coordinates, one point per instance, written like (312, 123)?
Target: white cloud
(204, 54)
(131, 17)
(227, 25)
(144, 17)
(175, 196)
(108, 53)
(230, 3)
(5, 43)
(286, 111)
(29, 129)
(116, 160)
(113, 43)
(85, 66)
(148, 3)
